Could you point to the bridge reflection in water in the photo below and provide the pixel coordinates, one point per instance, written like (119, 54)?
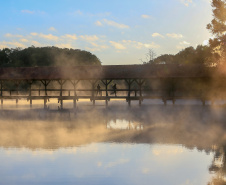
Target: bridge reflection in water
(169, 131)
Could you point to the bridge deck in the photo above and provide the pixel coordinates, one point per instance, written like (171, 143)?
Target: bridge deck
(134, 83)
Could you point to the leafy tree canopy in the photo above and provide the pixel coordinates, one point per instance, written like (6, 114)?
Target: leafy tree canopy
(218, 28)
(199, 55)
(46, 56)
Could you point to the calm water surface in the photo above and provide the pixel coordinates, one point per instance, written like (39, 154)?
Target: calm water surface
(178, 145)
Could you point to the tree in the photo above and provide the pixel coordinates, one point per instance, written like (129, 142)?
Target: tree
(150, 56)
(46, 56)
(218, 28)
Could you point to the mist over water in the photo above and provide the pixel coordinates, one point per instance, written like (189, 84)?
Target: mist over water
(151, 144)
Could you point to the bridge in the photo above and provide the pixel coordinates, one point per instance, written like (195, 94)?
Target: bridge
(126, 82)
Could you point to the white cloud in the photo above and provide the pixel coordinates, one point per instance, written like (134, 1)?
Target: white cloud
(28, 11)
(111, 23)
(117, 45)
(98, 23)
(89, 38)
(140, 45)
(99, 46)
(145, 16)
(68, 36)
(48, 37)
(186, 2)
(77, 12)
(174, 35)
(52, 29)
(24, 40)
(64, 46)
(184, 43)
(34, 34)
(35, 43)
(96, 47)
(157, 35)
(11, 35)
(5, 44)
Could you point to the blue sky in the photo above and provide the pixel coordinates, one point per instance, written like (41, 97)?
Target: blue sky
(117, 32)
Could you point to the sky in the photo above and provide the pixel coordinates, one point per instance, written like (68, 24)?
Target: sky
(117, 32)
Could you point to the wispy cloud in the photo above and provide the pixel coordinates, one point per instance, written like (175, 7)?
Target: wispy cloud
(24, 40)
(34, 34)
(35, 43)
(52, 29)
(48, 37)
(11, 35)
(89, 38)
(96, 47)
(5, 44)
(139, 45)
(98, 23)
(77, 12)
(111, 23)
(157, 35)
(146, 16)
(184, 43)
(64, 45)
(68, 36)
(174, 35)
(32, 12)
(186, 2)
(117, 45)
(28, 11)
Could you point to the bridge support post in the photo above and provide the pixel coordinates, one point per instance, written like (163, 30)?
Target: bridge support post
(164, 100)
(129, 82)
(45, 83)
(74, 104)
(16, 101)
(61, 82)
(45, 103)
(203, 102)
(140, 82)
(30, 103)
(106, 83)
(74, 83)
(1, 93)
(30, 83)
(93, 83)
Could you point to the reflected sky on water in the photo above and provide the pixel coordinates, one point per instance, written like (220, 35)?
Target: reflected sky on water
(155, 144)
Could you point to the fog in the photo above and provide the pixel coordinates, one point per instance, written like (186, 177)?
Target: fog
(189, 125)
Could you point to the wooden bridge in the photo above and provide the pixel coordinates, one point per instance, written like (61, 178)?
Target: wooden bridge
(126, 82)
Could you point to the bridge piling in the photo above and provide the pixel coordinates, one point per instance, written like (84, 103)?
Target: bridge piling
(45, 103)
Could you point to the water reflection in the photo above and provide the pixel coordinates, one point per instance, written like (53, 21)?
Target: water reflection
(137, 139)
(124, 125)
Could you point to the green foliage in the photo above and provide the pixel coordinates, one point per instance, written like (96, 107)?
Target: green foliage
(218, 28)
(189, 55)
(46, 56)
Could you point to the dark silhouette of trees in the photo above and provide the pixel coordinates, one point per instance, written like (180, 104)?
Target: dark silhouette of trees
(199, 55)
(46, 56)
(218, 28)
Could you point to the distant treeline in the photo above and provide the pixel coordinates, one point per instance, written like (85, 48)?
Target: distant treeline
(190, 55)
(46, 56)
